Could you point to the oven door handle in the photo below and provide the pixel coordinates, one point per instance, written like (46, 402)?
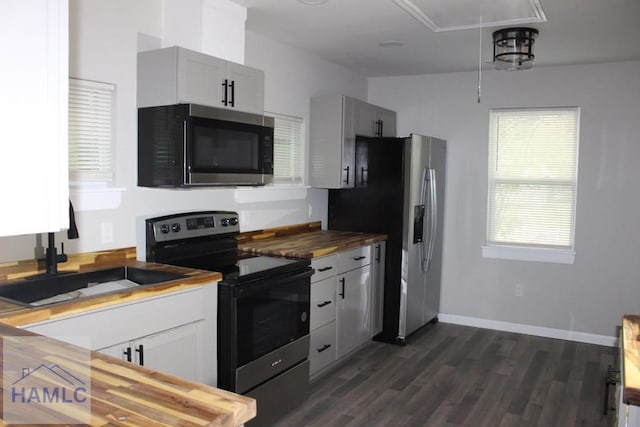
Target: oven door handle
(260, 284)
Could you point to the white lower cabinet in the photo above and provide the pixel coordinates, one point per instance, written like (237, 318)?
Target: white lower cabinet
(377, 287)
(177, 351)
(354, 310)
(173, 333)
(342, 303)
(322, 325)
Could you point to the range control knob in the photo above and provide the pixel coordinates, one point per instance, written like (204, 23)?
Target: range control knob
(224, 222)
(164, 228)
(233, 221)
(175, 227)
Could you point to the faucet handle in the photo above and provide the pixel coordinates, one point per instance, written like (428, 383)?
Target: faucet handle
(72, 232)
(61, 257)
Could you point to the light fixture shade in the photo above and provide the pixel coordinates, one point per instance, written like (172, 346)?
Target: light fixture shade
(513, 48)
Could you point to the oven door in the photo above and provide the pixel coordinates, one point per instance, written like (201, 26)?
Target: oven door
(270, 313)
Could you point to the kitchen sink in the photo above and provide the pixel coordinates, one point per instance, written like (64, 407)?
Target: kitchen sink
(44, 290)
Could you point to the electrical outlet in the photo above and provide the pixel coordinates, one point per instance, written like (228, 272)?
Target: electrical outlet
(519, 289)
(106, 231)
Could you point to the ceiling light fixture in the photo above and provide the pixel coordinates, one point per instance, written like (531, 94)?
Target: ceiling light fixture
(513, 48)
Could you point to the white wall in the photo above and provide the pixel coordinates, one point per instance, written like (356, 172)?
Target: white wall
(103, 46)
(589, 296)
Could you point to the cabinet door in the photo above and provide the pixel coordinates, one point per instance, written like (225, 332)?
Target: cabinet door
(377, 287)
(347, 174)
(387, 120)
(247, 92)
(34, 87)
(366, 119)
(354, 305)
(200, 78)
(177, 351)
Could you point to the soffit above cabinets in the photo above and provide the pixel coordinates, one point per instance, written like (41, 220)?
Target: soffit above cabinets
(446, 15)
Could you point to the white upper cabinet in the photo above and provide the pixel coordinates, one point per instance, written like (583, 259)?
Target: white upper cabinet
(335, 120)
(372, 120)
(332, 145)
(175, 75)
(33, 128)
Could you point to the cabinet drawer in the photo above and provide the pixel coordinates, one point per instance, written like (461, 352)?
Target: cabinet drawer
(323, 302)
(324, 267)
(354, 258)
(322, 347)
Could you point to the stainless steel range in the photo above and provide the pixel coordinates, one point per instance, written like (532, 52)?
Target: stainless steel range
(263, 307)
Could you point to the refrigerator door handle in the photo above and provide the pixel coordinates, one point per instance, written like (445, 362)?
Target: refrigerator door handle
(433, 216)
(418, 231)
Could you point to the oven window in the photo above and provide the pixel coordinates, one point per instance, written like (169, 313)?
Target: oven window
(234, 148)
(272, 317)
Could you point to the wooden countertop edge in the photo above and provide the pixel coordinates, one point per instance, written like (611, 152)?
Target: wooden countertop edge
(311, 250)
(18, 315)
(223, 408)
(630, 347)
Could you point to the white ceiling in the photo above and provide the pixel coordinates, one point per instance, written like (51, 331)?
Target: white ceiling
(349, 33)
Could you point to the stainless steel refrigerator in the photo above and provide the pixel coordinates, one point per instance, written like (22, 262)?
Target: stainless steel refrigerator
(399, 191)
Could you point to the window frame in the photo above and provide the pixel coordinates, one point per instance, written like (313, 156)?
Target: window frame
(290, 179)
(98, 177)
(527, 251)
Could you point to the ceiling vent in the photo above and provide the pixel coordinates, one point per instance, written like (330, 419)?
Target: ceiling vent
(445, 15)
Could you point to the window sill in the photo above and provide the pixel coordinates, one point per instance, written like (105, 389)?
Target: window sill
(96, 199)
(270, 193)
(557, 256)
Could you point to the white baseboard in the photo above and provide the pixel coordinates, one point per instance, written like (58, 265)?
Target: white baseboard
(529, 330)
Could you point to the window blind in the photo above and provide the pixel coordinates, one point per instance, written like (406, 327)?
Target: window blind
(90, 131)
(533, 157)
(288, 149)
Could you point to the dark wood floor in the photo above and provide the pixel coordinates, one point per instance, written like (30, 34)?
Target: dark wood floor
(449, 375)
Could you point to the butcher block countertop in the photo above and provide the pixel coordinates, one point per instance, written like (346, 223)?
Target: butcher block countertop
(122, 393)
(631, 359)
(17, 314)
(303, 241)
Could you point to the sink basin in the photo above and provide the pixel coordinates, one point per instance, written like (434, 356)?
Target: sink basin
(43, 290)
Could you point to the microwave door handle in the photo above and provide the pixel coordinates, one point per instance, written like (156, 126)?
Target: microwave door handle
(185, 163)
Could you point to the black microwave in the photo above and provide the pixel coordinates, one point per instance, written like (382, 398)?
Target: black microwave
(186, 145)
